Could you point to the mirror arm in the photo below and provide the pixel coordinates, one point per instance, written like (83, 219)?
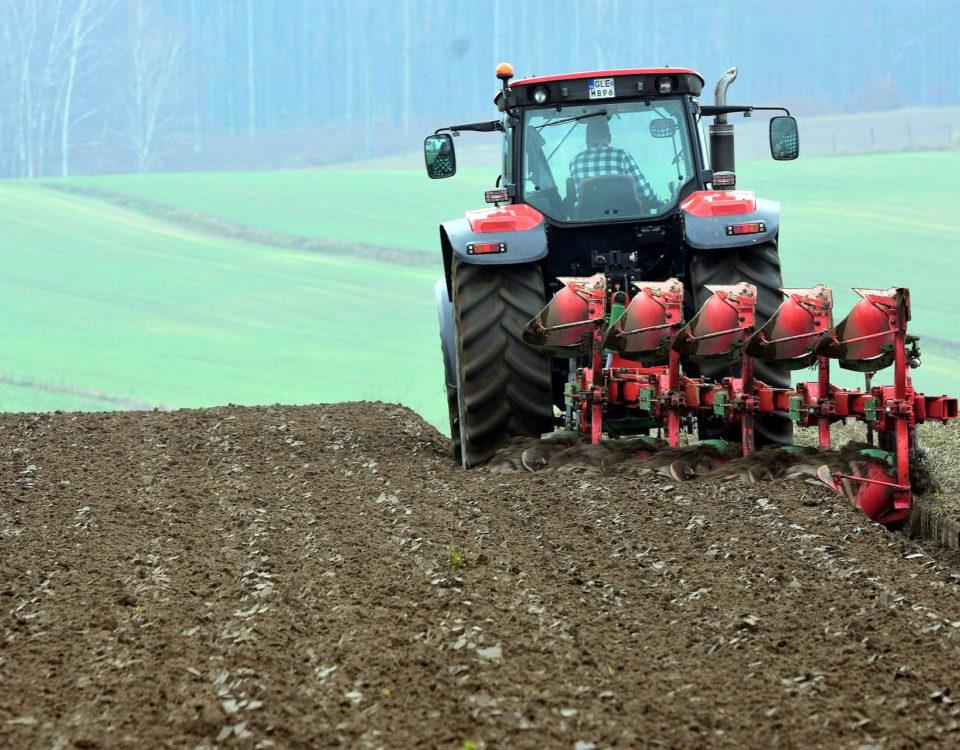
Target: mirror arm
(709, 110)
(476, 127)
(773, 109)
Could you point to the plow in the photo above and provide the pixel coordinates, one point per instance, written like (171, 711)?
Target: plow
(634, 347)
(668, 321)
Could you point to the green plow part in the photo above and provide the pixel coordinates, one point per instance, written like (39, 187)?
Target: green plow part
(720, 404)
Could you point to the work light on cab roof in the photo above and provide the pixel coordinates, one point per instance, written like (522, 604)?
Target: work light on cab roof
(663, 283)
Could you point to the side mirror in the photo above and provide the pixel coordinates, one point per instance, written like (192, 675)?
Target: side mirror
(440, 156)
(663, 127)
(784, 138)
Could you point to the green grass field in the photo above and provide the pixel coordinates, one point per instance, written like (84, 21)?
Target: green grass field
(110, 300)
(876, 221)
(388, 207)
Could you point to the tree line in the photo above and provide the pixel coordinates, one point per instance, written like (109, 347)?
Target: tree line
(139, 85)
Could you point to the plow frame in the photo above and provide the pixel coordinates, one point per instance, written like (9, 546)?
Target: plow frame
(644, 372)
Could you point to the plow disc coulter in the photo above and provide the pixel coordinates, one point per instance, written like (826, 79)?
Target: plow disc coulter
(634, 380)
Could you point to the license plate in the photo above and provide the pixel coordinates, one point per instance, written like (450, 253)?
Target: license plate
(601, 88)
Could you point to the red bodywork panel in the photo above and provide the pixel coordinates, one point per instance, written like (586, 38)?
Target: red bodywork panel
(720, 203)
(516, 217)
(607, 74)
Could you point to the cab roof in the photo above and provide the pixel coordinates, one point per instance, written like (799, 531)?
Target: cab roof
(578, 87)
(606, 74)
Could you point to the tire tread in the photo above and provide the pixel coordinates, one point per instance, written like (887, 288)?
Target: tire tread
(504, 385)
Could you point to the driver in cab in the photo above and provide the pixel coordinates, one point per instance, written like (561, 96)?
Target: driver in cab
(600, 159)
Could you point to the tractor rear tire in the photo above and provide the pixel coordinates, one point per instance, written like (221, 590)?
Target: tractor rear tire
(503, 384)
(758, 265)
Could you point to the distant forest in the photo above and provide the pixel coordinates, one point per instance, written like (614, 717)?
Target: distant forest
(137, 85)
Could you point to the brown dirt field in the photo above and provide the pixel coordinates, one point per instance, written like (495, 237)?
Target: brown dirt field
(325, 577)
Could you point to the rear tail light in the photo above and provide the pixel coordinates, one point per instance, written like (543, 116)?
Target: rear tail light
(486, 248)
(753, 227)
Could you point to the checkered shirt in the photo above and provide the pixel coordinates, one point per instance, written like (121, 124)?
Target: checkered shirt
(602, 160)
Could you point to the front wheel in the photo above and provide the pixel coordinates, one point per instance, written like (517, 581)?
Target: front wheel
(758, 265)
(503, 385)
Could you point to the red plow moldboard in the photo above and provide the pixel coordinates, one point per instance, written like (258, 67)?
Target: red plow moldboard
(634, 348)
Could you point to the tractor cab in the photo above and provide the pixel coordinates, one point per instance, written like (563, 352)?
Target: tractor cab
(603, 146)
(586, 154)
(581, 163)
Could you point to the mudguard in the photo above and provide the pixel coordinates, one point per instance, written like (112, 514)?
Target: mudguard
(447, 343)
(518, 229)
(709, 218)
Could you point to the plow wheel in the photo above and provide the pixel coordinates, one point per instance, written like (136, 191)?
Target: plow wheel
(758, 265)
(503, 385)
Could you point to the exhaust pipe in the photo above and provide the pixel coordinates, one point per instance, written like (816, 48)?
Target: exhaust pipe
(721, 132)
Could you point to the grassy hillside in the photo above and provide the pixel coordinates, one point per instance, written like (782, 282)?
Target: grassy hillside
(100, 299)
(389, 207)
(111, 301)
(872, 221)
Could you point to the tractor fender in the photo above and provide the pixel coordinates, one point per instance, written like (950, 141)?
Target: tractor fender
(518, 229)
(447, 344)
(709, 218)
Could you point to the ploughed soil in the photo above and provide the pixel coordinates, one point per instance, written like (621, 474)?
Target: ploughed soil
(326, 577)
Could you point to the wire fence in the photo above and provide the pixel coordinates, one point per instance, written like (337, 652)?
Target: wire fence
(916, 129)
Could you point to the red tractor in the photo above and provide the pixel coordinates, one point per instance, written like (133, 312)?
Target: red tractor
(665, 303)
(603, 172)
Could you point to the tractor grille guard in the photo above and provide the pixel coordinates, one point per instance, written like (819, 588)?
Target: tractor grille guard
(647, 339)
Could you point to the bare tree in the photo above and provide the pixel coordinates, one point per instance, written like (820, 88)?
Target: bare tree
(152, 101)
(8, 86)
(21, 20)
(87, 17)
(44, 32)
(251, 75)
(44, 49)
(406, 106)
